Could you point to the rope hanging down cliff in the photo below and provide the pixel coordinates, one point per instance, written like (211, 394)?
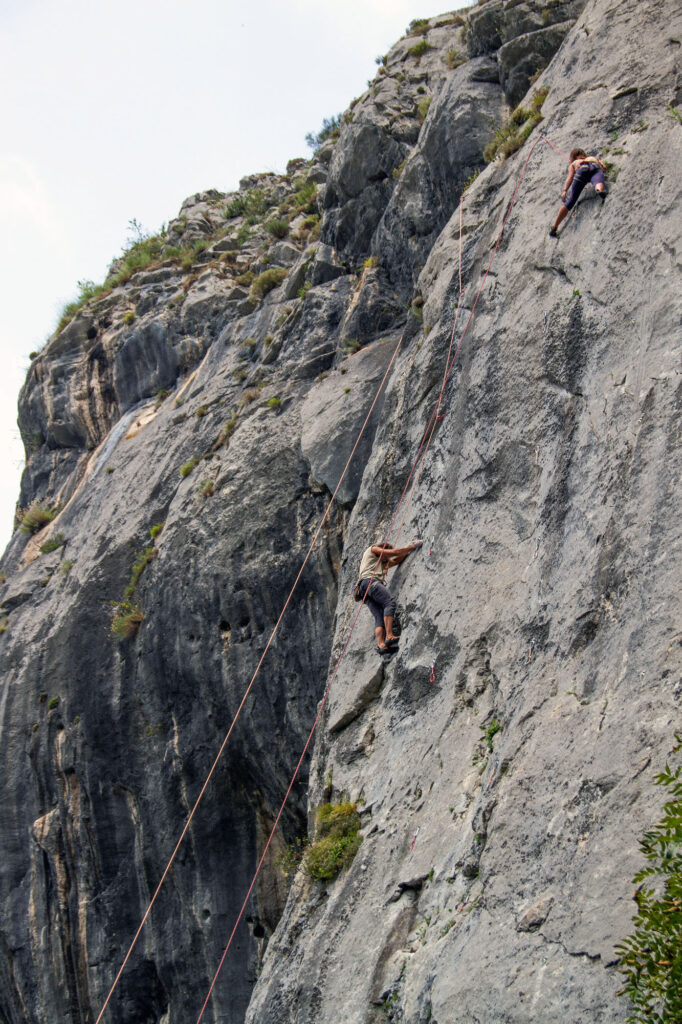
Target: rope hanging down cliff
(425, 443)
(429, 431)
(249, 687)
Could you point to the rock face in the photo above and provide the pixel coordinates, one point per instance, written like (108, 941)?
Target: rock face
(503, 760)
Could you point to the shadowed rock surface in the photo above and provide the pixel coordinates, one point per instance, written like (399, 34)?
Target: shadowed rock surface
(545, 600)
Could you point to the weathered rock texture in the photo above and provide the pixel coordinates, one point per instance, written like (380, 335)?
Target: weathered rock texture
(544, 602)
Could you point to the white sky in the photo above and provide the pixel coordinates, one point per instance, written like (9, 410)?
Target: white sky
(118, 111)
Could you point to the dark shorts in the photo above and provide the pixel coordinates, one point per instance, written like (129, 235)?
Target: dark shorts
(590, 173)
(380, 600)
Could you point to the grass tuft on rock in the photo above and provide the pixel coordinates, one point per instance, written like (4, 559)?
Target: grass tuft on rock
(53, 543)
(419, 49)
(511, 135)
(277, 227)
(142, 560)
(337, 840)
(187, 467)
(125, 619)
(423, 109)
(36, 516)
(453, 58)
(265, 282)
(418, 27)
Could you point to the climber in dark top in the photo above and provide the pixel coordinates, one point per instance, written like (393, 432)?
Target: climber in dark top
(376, 561)
(583, 169)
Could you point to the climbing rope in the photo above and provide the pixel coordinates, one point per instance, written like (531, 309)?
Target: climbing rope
(450, 366)
(249, 687)
(421, 454)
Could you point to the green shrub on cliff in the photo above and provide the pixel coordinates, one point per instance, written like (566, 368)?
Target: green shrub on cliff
(187, 467)
(251, 205)
(278, 227)
(337, 840)
(235, 208)
(651, 958)
(36, 516)
(142, 560)
(303, 199)
(423, 108)
(53, 543)
(86, 290)
(289, 860)
(266, 281)
(453, 58)
(419, 49)
(511, 135)
(125, 619)
(127, 615)
(418, 27)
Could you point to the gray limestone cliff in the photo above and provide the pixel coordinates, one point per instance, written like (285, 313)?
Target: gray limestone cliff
(184, 431)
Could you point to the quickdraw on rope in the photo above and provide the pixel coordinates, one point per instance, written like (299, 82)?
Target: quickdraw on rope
(414, 840)
(531, 652)
(432, 677)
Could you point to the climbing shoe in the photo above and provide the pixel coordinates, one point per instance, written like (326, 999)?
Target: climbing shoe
(552, 233)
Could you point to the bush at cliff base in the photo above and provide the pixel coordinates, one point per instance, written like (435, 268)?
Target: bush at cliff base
(337, 840)
(651, 958)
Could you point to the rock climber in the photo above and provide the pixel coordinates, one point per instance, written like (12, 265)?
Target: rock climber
(376, 561)
(583, 169)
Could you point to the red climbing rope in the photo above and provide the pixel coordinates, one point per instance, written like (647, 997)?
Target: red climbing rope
(566, 158)
(421, 453)
(450, 363)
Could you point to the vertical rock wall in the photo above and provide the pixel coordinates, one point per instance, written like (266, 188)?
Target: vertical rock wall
(546, 502)
(502, 800)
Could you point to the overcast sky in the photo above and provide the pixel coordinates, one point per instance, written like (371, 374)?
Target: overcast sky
(118, 111)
